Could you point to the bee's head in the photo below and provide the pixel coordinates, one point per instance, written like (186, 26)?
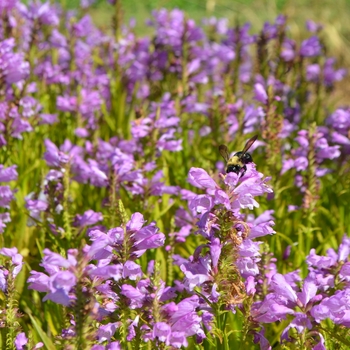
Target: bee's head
(245, 157)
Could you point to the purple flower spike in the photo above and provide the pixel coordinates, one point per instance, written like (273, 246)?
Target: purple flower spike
(260, 93)
(200, 178)
(313, 27)
(17, 259)
(260, 338)
(53, 156)
(215, 251)
(8, 174)
(106, 332)
(136, 222)
(148, 238)
(310, 47)
(309, 290)
(132, 270)
(281, 286)
(88, 218)
(4, 219)
(60, 285)
(135, 296)
(38, 281)
(6, 196)
(20, 341)
(162, 331)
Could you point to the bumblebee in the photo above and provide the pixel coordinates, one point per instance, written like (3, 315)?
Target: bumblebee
(237, 163)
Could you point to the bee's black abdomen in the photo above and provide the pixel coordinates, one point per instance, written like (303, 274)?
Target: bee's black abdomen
(239, 170)
(233, 169)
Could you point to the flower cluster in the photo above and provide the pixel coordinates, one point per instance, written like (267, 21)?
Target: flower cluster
(322, 294)
(6, 194)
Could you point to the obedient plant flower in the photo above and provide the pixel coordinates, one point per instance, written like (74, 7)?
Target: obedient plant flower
(310, 47)
(13, 67)
(6, 194)
(176, 322)
(21, 342)
(339, 123)
(88, 218)
(318, 299)
(313, 27)
(136, 239)
(15, 266)
(8, 174)
(161, 123)
(260, 93)
(315, 144)
(231, 250)
(62, 272)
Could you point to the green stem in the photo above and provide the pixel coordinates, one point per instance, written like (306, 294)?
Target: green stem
(66, 195)
(11, 313)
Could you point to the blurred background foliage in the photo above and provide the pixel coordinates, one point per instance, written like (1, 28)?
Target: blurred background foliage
(334, 16)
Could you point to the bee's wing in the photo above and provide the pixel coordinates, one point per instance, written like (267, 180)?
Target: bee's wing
(249, 144)
(224, 152)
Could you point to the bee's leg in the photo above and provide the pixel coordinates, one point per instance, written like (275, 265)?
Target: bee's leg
(243, 170)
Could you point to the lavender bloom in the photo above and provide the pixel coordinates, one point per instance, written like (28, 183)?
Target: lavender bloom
(59, 283)
(163, 119)
(105, 332)
(310, 47)
(261, 226)
(288, 50)
(313, 27)
(36, 207)
(4, 219)
(48, 118)
(183, 321)
(340, 120)
(139, 237)
(340, 123)
(330, 74)
(199, 178)
(38, 281)
(42, 13)
(8, 5)
(12, 268)
(16, 258)
(12, 65)
(201, 271)
(6, 196)
(8, 174)
(318, 299)
(88, 218)
(137, 296)
(300, 155)
(20, 341)
(132, 270)
(53, 156)
(260, 338)
(313, 72)
(162, 331)
(182, 77)
(260, 93)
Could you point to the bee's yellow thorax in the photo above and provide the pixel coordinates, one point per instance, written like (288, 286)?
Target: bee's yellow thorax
(235, 160)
